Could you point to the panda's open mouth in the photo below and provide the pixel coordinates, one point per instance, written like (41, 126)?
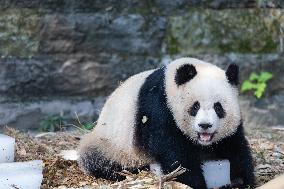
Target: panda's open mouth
(205, 137)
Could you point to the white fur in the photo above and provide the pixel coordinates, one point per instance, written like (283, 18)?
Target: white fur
(156, 169)
(114, 132)
(210, 85)
(206, 115)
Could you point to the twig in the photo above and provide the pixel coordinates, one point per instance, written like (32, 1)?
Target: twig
(79, 128)
(171, 176)
(78, 120)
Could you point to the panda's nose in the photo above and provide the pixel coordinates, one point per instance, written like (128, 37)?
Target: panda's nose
(205, 125)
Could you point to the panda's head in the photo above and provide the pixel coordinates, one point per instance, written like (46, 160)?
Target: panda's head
(203, 99)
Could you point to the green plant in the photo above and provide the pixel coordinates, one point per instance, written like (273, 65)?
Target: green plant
(256, 83)
(88, 126)
(84, 126)
(52, 123)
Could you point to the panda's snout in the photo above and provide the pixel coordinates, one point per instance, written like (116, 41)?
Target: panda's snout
(205, 125)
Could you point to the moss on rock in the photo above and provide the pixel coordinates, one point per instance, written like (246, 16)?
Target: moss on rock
(19, 32)
(225, 31)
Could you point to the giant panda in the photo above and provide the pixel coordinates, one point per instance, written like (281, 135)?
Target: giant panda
(185, 113)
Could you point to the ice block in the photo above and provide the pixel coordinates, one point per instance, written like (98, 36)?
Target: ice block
(69, 154)
(216, 173)
(23, 175)
(7, 148)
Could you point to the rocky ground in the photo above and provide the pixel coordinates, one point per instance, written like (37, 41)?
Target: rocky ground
(267, 147)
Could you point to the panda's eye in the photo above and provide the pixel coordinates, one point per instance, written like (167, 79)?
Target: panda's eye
(194, 108)
(219, 110)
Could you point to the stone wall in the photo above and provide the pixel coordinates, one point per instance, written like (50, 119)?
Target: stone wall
(66, 56)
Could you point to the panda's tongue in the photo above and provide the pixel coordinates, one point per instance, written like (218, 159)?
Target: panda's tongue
(205, 136)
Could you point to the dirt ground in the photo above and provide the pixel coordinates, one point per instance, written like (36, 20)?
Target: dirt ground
(267, 147)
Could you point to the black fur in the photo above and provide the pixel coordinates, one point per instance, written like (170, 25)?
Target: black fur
(219, 110)
(232, 74)
(100, 167)
(160, 138)
(185, 73)
(194, 109)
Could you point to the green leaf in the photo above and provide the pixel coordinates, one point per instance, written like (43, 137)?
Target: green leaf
(256, 83)
(247, 85)
(88, 126)
(265, 76)
(260, 90)
(253, 77)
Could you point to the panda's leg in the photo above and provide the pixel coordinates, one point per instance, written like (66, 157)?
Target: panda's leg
(95, 164)
(242, 167)
(172, 159)
(241, 164)
(170, 149)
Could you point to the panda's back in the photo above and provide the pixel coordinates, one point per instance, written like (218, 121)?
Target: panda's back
(114, 131)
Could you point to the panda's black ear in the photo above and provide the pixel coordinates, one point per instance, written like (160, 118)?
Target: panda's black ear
(185, 73)
(232, 74)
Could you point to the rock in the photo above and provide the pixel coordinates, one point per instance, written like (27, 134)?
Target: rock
(19, 4)
(75, 75)
(19, 32)
(29, 115)
(97, 76)
(33, 78)
(24, 78)
(87, 6)
(209, 31)
(264, 112)
(171, 7)
(130, 5)
(99, 32)
(218, 4)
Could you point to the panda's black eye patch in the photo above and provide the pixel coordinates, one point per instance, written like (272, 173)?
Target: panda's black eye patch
(219, 110)
(194, 108)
